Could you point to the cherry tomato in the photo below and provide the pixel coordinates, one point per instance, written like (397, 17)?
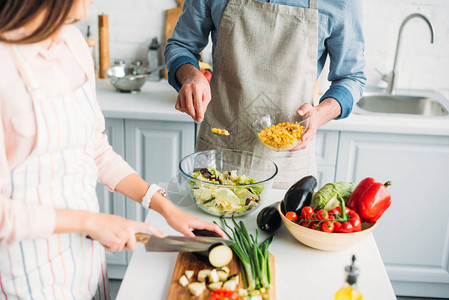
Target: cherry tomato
(327, 226)
(335, 211)
(223, 294)
(322, 214)
(314, 226)
(306, 212)
(304, 223)
(292, 216)
(337, 227)
(331, 217)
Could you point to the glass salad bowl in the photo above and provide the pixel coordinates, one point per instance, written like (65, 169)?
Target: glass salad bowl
(280, 132)
(227, 182)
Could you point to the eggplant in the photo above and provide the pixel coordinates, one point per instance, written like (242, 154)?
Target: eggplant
(299, 195)
(218, 255)
(269, 219)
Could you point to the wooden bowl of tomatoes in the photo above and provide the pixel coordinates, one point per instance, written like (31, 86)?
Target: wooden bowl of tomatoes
(321, 234)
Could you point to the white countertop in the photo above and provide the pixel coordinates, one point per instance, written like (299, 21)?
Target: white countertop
(301, 272)
(157, 101)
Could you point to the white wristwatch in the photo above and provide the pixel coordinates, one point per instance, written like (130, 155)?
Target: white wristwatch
(154, 188)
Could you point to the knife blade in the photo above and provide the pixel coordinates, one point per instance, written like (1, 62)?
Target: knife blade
(179, 243)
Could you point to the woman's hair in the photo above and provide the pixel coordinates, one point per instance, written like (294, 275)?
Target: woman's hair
(17, 13)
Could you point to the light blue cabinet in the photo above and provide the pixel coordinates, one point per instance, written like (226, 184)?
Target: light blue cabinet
(326, 155)
(153, 149)
(413, 234)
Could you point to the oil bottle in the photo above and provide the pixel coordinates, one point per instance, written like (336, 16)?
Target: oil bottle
(349, 290)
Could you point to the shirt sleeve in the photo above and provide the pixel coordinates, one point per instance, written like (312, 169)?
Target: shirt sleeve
(346, 48)
(112, 168)
(20, 220)
(189, 38)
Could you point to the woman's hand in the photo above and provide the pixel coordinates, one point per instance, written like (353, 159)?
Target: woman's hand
(116, 233)
(185, 223)
(195, 95)
(327, 110)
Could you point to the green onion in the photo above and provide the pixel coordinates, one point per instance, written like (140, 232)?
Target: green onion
(254, 258)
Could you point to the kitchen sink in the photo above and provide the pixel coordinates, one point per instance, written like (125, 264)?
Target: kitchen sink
(426, 104)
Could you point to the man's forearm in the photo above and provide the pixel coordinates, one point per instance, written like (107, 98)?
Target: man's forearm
(185, 72)
(328, 109)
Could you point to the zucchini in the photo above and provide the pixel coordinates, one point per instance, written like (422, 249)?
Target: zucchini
(197, 288)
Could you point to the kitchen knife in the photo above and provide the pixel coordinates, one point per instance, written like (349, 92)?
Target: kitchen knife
(179, 243)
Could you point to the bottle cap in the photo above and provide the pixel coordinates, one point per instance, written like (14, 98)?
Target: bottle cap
(154, 44)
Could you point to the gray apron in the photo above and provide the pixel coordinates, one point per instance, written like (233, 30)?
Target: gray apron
(264, 63)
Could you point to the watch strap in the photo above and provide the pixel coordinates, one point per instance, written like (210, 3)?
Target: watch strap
(154, 188)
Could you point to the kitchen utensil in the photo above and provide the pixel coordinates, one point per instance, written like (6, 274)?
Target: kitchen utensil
(225, 199)
(324, 240)
(178, 243)
(188, 261)
(211, 127)
(103, 32)
(129, 78)
(274, 119)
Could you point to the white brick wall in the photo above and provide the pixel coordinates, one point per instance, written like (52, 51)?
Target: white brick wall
(132, 25)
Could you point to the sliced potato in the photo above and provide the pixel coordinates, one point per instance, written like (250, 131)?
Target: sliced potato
(230, 285)
(189, 273)
(213, 276)
(234, 277)
(215, 285)
(222, 275)
(196, 288)
(183, 280)
(203, 275)
(224, 269)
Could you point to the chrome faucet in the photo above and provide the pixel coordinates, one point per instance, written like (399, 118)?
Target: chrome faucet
(391, 77)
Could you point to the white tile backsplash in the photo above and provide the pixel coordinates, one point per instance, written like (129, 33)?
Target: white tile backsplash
(132, 25)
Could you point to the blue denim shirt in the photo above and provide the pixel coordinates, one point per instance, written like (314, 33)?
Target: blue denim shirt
(339, 35)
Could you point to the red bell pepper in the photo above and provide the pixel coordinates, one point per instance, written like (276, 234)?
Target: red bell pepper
(370, 199)
(223, 294)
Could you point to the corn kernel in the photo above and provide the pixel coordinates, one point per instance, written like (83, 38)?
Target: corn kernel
(281, 136)
(220, 131)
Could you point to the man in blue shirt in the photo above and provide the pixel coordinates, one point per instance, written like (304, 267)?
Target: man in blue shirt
(267, 55)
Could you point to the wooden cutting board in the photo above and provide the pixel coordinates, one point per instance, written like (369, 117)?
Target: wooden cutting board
(188, 261)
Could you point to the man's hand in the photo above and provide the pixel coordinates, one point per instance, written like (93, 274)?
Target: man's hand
(194, 95)
(327, 110)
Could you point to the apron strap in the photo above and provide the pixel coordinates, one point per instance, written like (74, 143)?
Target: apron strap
(31, 82)
(313, 4)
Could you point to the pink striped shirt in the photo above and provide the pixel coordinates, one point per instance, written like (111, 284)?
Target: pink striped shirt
(60, 74)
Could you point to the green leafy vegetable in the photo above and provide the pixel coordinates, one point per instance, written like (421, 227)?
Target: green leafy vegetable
(223, 193)
(254, 258)
(331, 195)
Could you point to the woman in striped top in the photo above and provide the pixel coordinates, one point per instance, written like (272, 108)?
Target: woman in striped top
(52, 153)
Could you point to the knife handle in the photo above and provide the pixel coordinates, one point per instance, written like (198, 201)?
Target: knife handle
(142, 237)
